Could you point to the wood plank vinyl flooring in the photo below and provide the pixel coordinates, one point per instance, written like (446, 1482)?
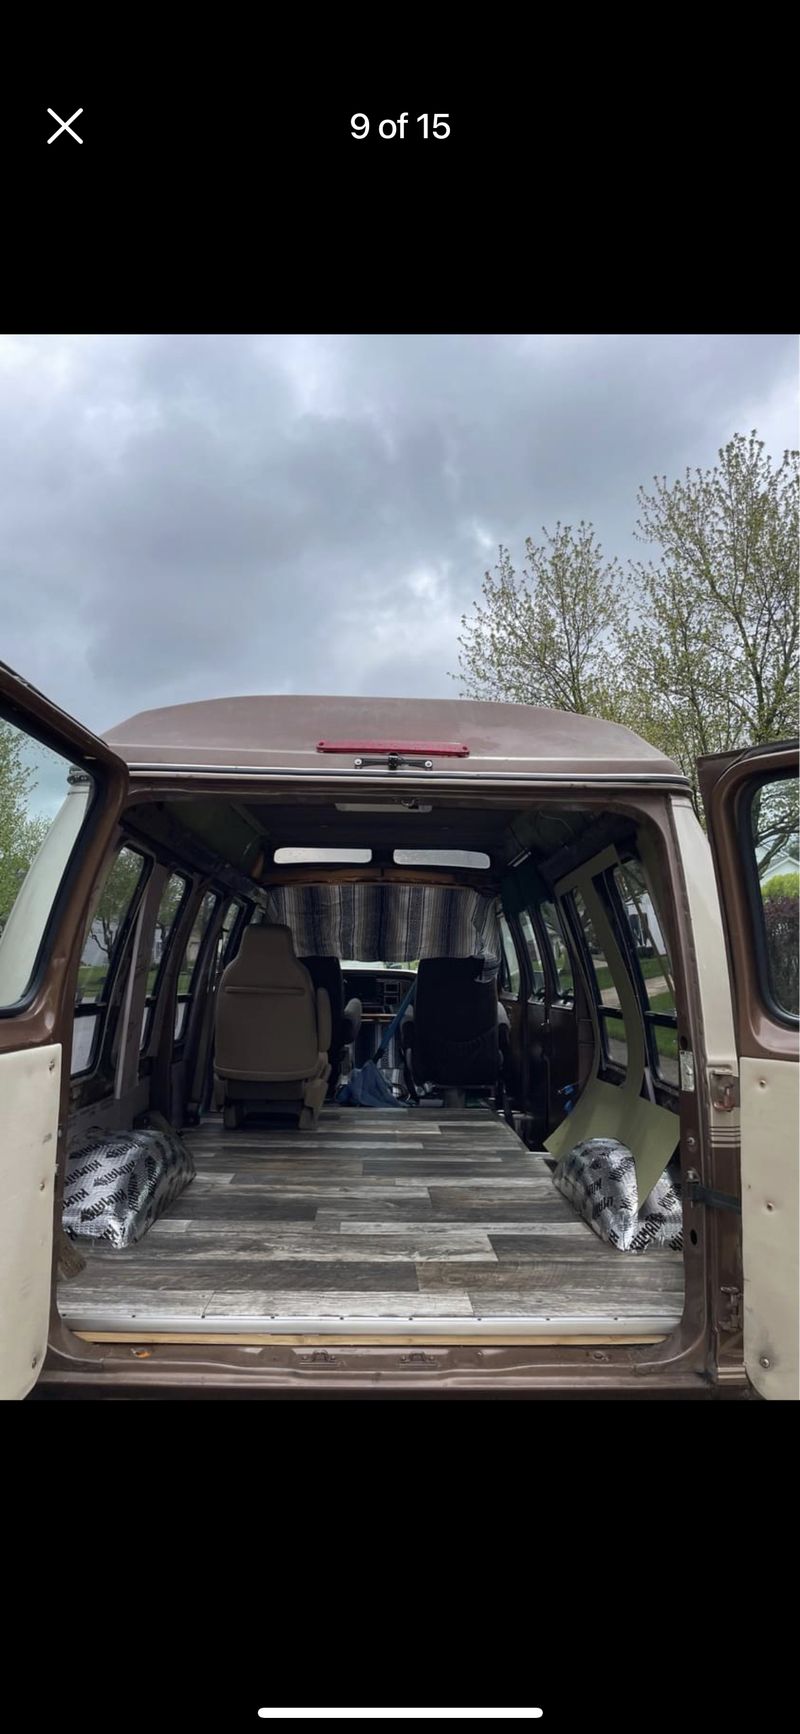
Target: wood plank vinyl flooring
(417, 1214)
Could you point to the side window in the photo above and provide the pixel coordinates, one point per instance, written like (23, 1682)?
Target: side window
(534, 955)
(606, 996)
(229, 921)
(649, 947)
(775, 843)
(43, 805)
(101, 949)
(558, 950)
(189, 962)
(509, 963)
(172, 898)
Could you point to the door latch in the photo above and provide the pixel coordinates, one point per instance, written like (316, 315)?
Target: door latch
(731, 1319)
(724, 1091)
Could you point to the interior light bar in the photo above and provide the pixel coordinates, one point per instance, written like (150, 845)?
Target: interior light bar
(439, 749)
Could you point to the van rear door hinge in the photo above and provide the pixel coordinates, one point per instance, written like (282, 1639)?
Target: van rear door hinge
(700, 1194)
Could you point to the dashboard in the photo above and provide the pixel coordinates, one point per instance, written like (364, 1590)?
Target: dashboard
(380, 991)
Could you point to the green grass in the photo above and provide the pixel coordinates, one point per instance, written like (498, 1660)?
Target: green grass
(666, 1040)
(650, 967)
(90, 979)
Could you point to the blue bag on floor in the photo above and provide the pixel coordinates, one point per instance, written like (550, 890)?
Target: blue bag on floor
(368, 1086)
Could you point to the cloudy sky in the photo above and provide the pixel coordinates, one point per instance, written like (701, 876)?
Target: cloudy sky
(188, 516)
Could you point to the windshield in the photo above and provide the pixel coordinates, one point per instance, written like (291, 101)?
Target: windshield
(360, 963)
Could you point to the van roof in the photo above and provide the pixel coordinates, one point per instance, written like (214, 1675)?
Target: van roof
(313, 733)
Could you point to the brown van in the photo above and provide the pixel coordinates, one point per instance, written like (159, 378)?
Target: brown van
(360, 1045)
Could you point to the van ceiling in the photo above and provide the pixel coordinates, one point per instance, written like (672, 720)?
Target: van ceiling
(236, 830)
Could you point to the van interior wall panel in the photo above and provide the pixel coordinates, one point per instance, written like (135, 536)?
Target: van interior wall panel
(384, 1217)
(108, 1114)
(563, 1062)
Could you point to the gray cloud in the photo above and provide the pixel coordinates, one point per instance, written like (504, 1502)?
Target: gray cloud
(183, 517)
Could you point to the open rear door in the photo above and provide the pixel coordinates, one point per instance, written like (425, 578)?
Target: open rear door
(751, 802)
(61, 793)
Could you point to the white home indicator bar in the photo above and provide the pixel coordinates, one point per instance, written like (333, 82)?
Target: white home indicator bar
(403, 1715)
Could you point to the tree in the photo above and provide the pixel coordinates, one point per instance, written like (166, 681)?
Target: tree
(711, 662)
(542, 637)
(696, 650)
(775, 825)
(782, 924)
(20, 834)
(782, 885)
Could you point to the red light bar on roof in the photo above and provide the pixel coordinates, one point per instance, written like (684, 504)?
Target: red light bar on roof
(438, 749)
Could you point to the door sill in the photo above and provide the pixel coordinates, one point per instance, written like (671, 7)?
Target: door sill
(443, 1333)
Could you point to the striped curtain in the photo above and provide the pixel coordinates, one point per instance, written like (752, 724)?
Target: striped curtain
(387, 923)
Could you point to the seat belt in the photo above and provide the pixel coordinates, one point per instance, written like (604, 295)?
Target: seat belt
(395, 1023)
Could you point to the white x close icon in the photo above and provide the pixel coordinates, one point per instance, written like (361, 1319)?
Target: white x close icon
(65, 125)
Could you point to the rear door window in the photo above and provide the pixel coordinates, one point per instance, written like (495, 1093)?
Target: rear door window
(102, 948)
(774, 847)
(44, 804)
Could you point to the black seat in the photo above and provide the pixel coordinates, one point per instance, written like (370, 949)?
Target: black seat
(451, 1036)
(345, 1019)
